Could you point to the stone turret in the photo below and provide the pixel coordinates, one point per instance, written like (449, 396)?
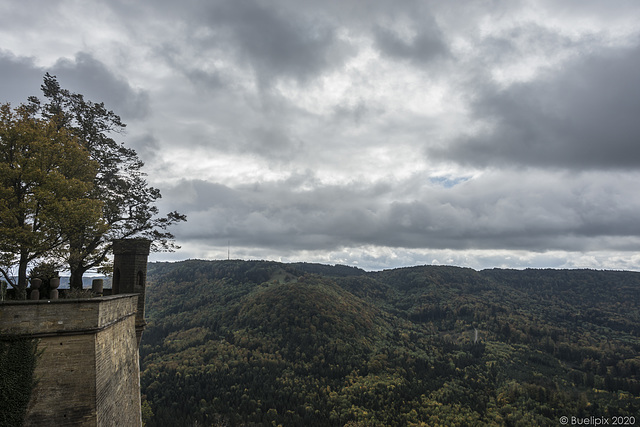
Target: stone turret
(130, 273)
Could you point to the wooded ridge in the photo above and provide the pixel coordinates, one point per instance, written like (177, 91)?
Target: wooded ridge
(266, 343)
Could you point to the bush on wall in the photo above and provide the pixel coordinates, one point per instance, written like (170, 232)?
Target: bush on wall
(18, 358)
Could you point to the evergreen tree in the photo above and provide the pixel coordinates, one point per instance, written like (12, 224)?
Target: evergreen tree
(128, 202)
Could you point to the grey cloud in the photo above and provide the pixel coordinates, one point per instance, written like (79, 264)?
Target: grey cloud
(513, 44)
(275, 43)
(20, 78)
(554, 168)
(85, 75)
(146, 145)
(425, 46)
(356, 114)
(273, 142)
(199, 195)
(23, 78)
(584, 117)
(90, 77)
(284, 214)
(208, 79)
(252, 136)
(493, 212)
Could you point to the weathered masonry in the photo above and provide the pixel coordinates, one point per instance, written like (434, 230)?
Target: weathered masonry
(130, 273)
(88, 373)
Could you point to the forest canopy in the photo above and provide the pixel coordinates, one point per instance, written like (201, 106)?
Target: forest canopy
(252, 343)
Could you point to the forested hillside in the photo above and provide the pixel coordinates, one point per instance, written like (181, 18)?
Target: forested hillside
(264, 343)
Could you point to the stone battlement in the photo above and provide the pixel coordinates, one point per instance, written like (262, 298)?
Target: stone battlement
(46, 318)
(88, 372)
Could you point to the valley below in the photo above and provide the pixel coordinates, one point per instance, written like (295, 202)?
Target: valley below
(253, 343)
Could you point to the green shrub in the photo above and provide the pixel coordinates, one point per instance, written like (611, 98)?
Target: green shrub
(18, 358)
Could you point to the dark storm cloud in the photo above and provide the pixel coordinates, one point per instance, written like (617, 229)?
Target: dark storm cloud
(485, 213)
(90, 77)
(85, 75)
(20, 78)
(583, 117)
(282, 214)
(274, 43)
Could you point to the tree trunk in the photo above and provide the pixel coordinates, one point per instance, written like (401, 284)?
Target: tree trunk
(21, 290)
(75, 281)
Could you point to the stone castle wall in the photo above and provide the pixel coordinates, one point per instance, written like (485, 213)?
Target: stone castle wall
(88, 373)
(118, 374)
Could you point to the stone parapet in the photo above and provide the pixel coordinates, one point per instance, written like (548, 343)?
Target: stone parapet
(88, 371)
(66, 316)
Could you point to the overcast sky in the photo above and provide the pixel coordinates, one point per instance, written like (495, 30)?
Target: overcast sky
(371, 133)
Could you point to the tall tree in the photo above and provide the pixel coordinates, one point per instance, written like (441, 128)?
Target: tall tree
(129, 208)
(46, 186)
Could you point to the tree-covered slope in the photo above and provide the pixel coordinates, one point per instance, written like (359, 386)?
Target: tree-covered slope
(264, 343)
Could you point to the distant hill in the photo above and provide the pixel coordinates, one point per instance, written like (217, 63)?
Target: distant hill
(266, 343)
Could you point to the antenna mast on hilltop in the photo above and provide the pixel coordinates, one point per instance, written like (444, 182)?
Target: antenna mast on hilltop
(229, 250)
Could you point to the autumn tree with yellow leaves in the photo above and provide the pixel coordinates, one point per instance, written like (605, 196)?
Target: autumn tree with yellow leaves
(46, 180)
